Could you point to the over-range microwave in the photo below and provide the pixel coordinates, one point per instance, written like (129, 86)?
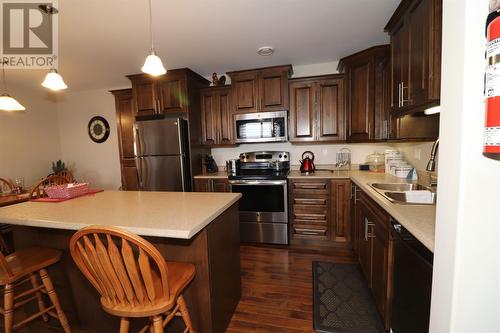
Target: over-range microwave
(261, 127)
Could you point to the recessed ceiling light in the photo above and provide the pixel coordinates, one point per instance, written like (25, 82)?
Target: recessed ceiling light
(265, 51)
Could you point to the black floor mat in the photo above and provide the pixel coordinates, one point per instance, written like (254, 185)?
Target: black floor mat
(342, 300)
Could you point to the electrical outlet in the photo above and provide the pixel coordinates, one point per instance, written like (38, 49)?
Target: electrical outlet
(417, 153)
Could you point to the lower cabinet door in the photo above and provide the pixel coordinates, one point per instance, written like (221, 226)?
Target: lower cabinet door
(202, 185)
(220, 185)
(130, 176)
(380, 269)
(364, 243)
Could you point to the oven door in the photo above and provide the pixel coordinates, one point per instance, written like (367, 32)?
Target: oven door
(263, 201)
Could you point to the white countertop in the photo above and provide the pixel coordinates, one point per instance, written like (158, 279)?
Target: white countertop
(161, 214)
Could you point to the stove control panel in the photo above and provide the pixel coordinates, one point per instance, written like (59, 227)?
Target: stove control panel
(265, 156)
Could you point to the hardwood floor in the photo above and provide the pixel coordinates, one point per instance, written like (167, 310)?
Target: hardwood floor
(277, 289)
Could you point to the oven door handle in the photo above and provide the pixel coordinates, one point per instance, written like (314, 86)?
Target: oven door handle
(257, 182)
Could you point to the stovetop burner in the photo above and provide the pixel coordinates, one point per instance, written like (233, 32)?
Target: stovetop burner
(262, 165)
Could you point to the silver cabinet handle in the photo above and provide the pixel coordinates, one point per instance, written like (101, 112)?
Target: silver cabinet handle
(367, 225)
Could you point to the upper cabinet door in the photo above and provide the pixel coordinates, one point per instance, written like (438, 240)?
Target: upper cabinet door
(226, 125)
(303, 100)
(330, 110)
(173, 94)
(415, 30)
(274, 89)
(209, 117)
(245, 92)
(145, 96)
(360, 97)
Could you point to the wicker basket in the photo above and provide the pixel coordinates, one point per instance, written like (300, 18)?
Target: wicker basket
(67, 191)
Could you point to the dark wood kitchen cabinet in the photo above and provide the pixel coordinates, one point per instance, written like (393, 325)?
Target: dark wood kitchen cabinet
(367, 94)
(374, 251)
(216, 116)
(320, 210)
(415, 29)
(171, 93)
(317, 112)
(125, 117)
(211, 185)
(260, 90)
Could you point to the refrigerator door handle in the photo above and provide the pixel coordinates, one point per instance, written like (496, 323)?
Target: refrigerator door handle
(137, 142)
(179, 131)
(138, 164)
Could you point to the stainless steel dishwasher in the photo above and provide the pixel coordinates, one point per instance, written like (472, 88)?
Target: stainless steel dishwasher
(412, 283)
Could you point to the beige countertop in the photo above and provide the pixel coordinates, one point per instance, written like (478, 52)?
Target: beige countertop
(219, 174)
(418, 219)
(161, 214)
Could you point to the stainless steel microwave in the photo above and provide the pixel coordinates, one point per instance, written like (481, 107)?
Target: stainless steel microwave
(261, 127)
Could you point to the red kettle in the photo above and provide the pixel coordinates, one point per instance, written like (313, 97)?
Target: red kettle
(307, 162)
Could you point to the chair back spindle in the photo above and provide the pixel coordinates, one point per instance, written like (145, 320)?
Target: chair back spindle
(121, 266)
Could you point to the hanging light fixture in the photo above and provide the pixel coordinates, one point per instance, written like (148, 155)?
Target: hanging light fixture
(152, 65)
(8, 103)
(53, 80)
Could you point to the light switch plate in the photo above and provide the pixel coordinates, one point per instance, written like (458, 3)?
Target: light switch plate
(417, 153)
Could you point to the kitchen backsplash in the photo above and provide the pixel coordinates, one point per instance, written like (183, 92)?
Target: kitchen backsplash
(324, 154)
(416, 153)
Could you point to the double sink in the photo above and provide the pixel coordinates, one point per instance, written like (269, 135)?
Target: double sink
(397, 193)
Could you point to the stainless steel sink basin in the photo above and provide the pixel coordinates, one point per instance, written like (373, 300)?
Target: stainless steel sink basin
(395, 192)
(398, 187)
(400, 198)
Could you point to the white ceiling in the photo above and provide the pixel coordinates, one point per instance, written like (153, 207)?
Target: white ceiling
(101, 41)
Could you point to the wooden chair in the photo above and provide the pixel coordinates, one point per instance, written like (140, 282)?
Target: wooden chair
(22, 267)
(135, 280)
(38, 191)
(4, 183)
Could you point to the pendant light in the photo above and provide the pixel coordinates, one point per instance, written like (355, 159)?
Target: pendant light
(53, 80)
(152, 65)
(8, 103)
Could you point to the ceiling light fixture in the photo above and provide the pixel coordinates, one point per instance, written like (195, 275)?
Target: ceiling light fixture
(53, 80)
(152, 65)
(265, 51)
(8, 103)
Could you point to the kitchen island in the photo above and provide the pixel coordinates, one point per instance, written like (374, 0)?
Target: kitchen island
(200, 228)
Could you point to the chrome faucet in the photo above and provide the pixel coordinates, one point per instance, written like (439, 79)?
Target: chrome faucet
(431, 165)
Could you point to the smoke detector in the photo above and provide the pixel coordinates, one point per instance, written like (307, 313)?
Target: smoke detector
(265, 51)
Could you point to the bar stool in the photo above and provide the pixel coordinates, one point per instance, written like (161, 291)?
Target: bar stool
(21, 267)
(135, 281)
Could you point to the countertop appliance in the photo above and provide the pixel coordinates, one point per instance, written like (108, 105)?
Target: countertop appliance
(412, 282)
(261, 127)
(162, 154)
(307, 162)
(262, 179)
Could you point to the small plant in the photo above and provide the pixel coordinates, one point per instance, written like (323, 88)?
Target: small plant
(58, 166)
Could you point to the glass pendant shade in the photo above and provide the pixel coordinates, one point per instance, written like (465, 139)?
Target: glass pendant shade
(153, 65)
(433, 110)
(8, 103)
(54, 81)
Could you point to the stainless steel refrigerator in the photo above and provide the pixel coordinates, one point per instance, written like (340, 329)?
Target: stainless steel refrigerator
(162, 155)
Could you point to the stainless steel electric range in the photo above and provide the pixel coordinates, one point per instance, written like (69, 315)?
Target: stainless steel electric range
(262, 179)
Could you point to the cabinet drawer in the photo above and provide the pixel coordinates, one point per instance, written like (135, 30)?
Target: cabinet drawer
(310, 188)
(309, 216)
(309, 230)
(310, 201)
(310, 222)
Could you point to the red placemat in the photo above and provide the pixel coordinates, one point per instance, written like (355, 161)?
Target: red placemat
(90, 192)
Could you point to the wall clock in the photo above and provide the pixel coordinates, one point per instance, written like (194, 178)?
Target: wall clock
(98, 129)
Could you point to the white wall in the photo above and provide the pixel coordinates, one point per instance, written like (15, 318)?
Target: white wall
(466, 284)
(30, 139)
(96, 163)
(324, 154)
